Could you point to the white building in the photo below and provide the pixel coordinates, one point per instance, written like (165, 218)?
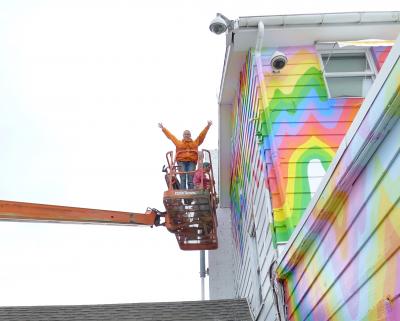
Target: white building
(291, 87)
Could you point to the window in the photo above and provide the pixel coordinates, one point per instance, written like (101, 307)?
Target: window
(347, 73)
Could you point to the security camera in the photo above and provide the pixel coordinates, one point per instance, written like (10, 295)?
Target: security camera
(220, 24)
(278, 61)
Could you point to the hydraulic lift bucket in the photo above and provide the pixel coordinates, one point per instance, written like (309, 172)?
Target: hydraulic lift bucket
(191, 213)
(191, 217)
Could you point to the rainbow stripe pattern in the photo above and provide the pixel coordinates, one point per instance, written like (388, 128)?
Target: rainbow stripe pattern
(345, 262)
(305, 127)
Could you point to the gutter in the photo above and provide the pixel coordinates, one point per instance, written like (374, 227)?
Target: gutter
(297, 20)
(271, 139)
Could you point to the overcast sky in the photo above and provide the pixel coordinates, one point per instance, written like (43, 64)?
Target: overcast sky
(83, 85)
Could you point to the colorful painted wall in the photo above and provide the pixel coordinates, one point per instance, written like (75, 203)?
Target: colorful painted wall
(345, 262)
(299, 130)
(251, 205)
(379, 55)
(243, 150)
(284, 138)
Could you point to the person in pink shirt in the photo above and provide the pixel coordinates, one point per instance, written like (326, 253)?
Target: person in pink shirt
(201, 177)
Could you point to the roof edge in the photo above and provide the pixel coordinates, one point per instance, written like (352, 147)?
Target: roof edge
(320, 19)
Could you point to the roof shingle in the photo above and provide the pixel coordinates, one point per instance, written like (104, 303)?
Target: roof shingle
(212, 310)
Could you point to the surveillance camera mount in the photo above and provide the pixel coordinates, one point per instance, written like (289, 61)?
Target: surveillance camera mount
(278, 61)
(220, 24)
(228, 21)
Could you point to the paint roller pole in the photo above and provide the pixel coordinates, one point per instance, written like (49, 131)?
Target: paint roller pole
(202, 272)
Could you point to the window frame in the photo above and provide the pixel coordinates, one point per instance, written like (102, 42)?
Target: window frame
(349, 50)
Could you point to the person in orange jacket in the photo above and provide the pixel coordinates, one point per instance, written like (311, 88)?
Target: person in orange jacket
(187, 153)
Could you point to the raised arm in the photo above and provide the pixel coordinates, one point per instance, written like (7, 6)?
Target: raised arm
(199, 140)
(168, 134)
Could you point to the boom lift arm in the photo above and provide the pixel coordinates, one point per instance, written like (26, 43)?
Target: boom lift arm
(20, 211)
(190, 213)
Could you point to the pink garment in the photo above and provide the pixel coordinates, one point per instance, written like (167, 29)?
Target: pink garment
(197, 179)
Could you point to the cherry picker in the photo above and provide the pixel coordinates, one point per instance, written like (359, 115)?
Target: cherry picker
(190, 214)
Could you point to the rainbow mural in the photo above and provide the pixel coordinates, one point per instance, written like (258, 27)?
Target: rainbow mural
(380, 54)
(295, 130)
(350, 268)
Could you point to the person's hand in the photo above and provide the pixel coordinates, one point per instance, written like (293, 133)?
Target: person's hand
(209, 123)
(160, 125)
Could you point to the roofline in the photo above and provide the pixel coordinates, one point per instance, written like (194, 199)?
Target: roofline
(250, 23)
(319, 19)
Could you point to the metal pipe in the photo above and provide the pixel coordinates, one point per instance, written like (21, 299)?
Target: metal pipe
(273, 149)
(260, 38)
(202, 272)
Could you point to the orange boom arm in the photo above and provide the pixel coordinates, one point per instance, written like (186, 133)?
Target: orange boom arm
(18, 211)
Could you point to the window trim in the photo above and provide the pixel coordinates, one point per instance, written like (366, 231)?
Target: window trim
(351, 50)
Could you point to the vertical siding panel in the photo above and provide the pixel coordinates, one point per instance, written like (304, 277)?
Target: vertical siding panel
(249, 199)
